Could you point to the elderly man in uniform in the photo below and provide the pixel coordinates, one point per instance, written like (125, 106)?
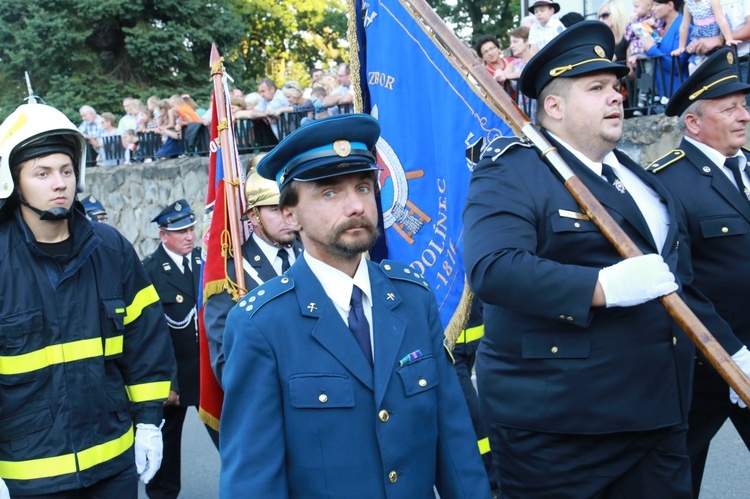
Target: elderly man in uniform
(175, 269)
(94, 209)
(707, 175)
(336, 381)
(268, 253)
(583, 376)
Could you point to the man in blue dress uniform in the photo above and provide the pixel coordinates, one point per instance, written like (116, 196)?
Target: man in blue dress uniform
(707, 175)
(336, 381)
(583, 376)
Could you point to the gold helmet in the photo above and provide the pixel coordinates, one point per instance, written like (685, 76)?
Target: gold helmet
(258, 190)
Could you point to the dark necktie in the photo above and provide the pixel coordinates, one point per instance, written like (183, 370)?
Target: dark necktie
(358, 324)
(284, 255)
(186, 269)
(734, 165)
(611, 177)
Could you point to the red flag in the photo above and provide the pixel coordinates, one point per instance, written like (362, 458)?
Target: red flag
(224, 201)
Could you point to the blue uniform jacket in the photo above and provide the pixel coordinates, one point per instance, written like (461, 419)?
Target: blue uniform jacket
(305, 416)
(549, 361)
(718, 223)
(218, 305)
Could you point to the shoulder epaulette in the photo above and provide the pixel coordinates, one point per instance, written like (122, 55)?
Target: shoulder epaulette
(497, 147)
(665, 160)
(264, 293)
(402, 272)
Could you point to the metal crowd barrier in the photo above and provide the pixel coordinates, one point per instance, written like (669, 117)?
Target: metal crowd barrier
(646, 93)
(252, 136)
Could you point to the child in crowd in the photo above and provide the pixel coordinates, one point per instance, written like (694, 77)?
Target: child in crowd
(151, 103)
(316, 97)
(545, 27)
(168, 129)
(131, 145)
(642, 21)
(708, 20)
(252, 99)
(185, 113)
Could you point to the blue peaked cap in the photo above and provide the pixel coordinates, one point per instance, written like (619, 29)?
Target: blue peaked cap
(716, 77)
(176, 216)
(324, 148)
(93, 206)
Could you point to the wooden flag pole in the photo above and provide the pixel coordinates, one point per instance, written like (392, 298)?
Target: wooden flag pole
(467, 63)
(225, 128)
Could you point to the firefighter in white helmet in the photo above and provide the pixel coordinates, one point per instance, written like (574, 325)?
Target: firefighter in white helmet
(85, 358)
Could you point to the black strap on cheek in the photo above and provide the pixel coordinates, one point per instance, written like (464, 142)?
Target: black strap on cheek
(53, 214)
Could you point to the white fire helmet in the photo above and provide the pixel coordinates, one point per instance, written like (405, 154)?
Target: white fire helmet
(31, 123)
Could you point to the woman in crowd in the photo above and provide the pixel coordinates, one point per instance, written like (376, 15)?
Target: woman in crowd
(294, 94)
(613, 15)
(488, 49)
(521, 50)
(668, 79)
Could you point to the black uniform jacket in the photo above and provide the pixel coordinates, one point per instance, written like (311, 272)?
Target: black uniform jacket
(178, 297)
(549, 361)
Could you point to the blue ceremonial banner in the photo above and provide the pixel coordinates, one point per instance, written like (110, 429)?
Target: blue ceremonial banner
(434, 127)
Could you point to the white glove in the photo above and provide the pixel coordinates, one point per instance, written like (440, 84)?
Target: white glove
(148, 450)
(742, 359)
(636, 280)
(4, 492)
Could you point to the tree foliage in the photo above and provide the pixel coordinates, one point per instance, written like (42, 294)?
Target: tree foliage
(286, 38)
(474, 18)
(98, 51)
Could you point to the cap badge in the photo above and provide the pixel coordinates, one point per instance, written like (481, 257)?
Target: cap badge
(342, 147)
(730, 57)
(599, 51)
(178, 206)
(93, 199)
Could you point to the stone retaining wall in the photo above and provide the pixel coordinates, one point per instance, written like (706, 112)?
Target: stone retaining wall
(134, 194)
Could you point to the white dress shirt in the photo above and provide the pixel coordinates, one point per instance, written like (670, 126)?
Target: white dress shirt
(338, 286)
(649, 203)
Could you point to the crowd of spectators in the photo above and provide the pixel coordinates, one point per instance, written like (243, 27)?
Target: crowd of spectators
(657, 42)
(156, 129)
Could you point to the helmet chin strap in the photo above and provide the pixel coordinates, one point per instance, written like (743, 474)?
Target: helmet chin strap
(49, 215)
(270, 238)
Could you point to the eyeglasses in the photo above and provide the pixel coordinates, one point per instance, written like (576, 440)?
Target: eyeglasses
(604, 15)
(491, 49)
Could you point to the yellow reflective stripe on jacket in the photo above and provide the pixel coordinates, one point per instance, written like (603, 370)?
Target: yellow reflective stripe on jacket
(113, 346)
(61, 465)
(143, 299)
(484, 445)
(105, 452)
(148, 391)
(471, 334)
(57, 354)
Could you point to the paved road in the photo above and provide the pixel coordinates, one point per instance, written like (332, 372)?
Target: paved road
(727, 471)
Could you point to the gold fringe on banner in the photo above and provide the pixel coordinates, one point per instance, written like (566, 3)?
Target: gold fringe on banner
(208, 419)
(354, 65)
(460, 316)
